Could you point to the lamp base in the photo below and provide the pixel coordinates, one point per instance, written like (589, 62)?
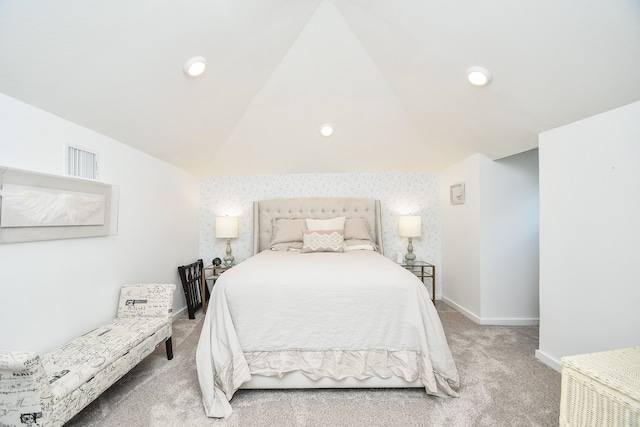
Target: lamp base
(228, 259)
(410, 257)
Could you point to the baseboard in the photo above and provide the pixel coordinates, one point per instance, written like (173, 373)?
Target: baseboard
(549, 361)
(496, 321)
(178, 314)
(510, 321)
(461, 309)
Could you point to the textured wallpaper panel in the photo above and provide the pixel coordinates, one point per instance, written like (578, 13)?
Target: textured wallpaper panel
(399, 194)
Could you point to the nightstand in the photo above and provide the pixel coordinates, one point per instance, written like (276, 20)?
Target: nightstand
(424, 270)
(211, 273)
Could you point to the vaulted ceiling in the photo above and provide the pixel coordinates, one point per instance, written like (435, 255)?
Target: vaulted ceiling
(390, 76)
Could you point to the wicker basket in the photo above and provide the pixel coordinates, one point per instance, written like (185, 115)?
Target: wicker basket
(601, 389)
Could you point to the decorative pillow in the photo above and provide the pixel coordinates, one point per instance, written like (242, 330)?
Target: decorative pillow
(323, 241)
(325, 224)
(357, 235)
(357, 228)
(286, 230)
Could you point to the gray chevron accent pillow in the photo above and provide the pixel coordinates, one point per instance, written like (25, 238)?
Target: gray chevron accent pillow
(323, 241)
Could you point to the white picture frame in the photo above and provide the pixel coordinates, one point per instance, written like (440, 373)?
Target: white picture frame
(36, 206)
(456, 193)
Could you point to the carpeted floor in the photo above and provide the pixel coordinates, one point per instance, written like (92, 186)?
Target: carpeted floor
(502, 384)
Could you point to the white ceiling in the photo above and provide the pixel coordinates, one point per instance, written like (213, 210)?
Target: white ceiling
(389, 75)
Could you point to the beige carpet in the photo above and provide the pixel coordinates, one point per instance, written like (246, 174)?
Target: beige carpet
(503, 384)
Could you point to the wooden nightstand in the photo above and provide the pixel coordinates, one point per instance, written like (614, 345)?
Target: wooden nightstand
(424, 270)
(211, 273)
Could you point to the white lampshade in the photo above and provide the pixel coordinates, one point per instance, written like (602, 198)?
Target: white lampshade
(226, 227)
(410, 226)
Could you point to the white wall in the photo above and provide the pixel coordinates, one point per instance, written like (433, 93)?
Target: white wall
(490, 243)
(399, 193)
(53, 291)
(510, 238)
(590, 235)
(461, 285)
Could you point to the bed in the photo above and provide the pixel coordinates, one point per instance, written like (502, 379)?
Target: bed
(319, 306)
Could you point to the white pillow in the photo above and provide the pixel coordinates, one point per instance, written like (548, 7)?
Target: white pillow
(359, 245)
(287, 246)
(325, 224)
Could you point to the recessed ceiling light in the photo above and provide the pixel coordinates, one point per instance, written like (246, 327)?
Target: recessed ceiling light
(326, 130)
(195, 66)
(478, 76)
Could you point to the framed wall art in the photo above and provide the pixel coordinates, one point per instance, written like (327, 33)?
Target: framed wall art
(456, 193)
(35, 206)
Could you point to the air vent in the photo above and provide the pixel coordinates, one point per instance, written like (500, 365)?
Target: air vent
(82, 163)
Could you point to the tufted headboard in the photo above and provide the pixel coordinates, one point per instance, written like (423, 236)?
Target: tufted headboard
(265, 211)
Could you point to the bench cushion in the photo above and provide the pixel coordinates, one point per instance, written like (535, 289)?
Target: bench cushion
(146, 300)
(80, 360)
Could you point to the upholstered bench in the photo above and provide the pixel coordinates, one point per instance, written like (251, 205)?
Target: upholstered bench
(50, 390)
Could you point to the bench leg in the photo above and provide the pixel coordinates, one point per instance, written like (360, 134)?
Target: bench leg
(169, 346)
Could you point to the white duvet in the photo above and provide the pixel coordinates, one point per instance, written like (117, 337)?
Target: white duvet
(353, 314)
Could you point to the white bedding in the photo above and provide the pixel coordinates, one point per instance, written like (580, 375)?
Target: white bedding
(353, 314)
